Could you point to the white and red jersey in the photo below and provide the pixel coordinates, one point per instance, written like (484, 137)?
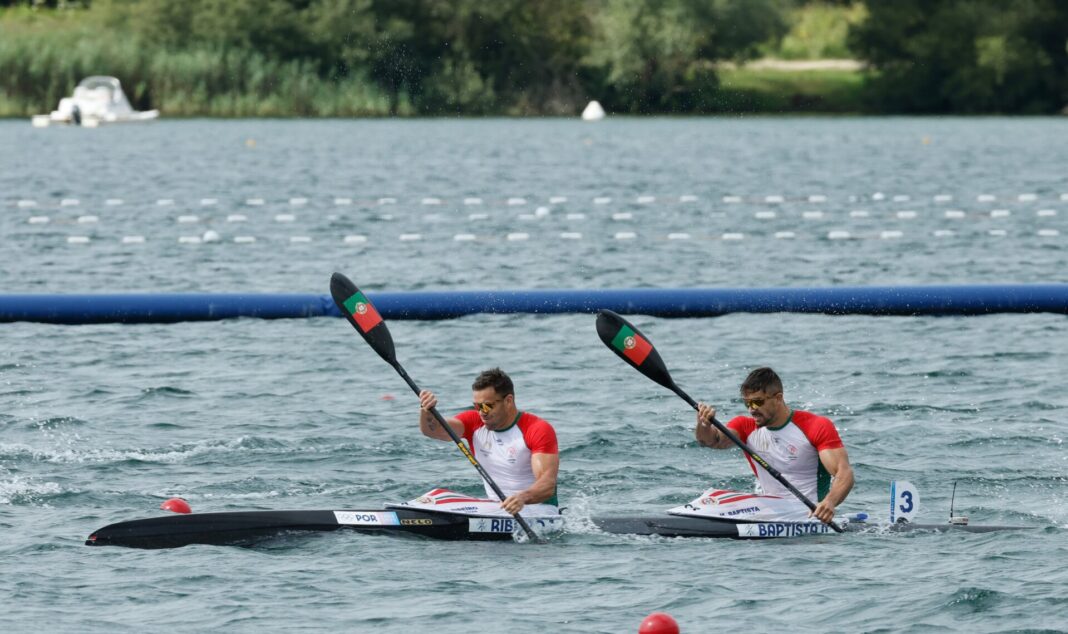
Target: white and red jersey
(506, 454)
(792, 448)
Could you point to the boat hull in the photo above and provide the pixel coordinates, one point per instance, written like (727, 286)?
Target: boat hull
(680, 526)
(249, 527)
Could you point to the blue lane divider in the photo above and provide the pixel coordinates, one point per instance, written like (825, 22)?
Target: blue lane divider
(658, 302)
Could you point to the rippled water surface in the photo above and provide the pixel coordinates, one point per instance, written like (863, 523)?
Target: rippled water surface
(101, 423)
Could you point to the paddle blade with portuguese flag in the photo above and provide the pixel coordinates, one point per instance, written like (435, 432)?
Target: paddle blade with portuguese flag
(632, 346)
(361, 313)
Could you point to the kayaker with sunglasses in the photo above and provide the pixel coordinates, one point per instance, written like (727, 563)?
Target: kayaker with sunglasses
(803, 446)
(517, 449)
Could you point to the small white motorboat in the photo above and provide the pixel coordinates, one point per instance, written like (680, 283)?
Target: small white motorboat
(96, 100)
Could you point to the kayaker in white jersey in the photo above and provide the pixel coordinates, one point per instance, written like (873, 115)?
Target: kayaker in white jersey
(517, 449)
(804, 447)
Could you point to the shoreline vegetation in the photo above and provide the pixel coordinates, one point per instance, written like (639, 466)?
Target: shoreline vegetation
(379, 58)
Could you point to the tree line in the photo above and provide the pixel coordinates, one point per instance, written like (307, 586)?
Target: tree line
(516, 57)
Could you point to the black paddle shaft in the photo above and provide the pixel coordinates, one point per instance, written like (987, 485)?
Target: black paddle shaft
(363, 316)
(637, 351)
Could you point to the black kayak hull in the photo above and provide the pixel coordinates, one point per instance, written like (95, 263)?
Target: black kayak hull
(681, 526)
(249, 527)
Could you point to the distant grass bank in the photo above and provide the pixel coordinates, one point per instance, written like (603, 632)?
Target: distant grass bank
(187, 84)
(775, 91)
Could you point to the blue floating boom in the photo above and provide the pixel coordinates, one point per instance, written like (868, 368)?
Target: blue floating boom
(658, 302)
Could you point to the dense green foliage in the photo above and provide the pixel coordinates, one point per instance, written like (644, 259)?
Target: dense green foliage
(966, 56)
(478, 57)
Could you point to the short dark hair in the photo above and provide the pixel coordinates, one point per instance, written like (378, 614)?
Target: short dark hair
(762, 380)
(495, 378)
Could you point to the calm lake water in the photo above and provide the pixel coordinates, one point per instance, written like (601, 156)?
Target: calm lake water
(101, 423)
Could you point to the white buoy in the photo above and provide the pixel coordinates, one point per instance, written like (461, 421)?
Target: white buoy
(517, 236)
(734, 236)
(188, 219)
(785, 235)
(571, 235)
(625, 235)
(954, 213)
(133, 239)
(211, 236)
(859, 213)
(593, 112)
(622, 215)
(464, 237)
(1048, 233)
(236, 218)
(557, 200)
(838, 235)
(678, 236)
(342, 201)
(244, 239)
(576, 216)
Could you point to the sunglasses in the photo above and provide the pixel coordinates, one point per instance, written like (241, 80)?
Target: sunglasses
(486, 406)
(750, 403)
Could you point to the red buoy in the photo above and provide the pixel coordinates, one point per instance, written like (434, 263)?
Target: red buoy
(388, 397)
(659, 623)
(176, 505)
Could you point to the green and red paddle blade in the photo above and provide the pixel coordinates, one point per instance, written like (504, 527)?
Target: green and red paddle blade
(363, 316)
(624, 338)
